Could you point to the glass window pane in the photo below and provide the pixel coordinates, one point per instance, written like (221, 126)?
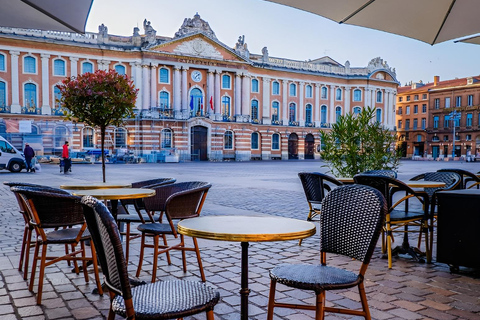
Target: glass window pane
(59, 67)
(254, 140)
(120, 138)
(2, 62)
(120, 69)
(225, 81)
(29, 65)
(164, 75)
(87, 67)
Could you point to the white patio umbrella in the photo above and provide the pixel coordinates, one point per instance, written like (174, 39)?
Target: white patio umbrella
(430, 21)
(472, 40)
(58, 15)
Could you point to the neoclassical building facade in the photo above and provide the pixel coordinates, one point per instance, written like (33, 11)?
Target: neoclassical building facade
(198, 98)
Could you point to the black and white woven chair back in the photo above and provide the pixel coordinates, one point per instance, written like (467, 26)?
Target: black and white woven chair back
(451, 179)
(351, 221)
(106, 238)
(315, 183)
(386, 173)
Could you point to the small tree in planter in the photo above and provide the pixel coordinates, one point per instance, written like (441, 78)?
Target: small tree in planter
(358, 143)
(98, 99)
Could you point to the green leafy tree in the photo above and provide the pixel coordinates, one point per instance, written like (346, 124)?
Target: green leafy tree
(98, 99)
(358, 143)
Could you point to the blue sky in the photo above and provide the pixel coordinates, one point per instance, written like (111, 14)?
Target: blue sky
(293, 34)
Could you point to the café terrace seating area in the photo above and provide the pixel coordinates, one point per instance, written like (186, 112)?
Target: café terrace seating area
(143, 248)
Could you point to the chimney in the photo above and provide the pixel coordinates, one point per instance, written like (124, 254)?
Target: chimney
(436, 80)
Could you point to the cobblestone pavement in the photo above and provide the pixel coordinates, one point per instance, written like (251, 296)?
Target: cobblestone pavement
(410, 290)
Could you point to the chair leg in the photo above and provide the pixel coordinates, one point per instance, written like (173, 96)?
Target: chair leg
(140, 259)
(41, 274)
(155, 258)
(389, 248)
(75, 264)
(184, 257)
(66, 252)
(111, 314)
(169, 261)
(95, 269)
(34, 266)
(127, 242)
(320, 306)
(25, 245)
(199, 259)
(363, 299)
(84, 261)
(210, 314)
(271, 299)
(27, 254)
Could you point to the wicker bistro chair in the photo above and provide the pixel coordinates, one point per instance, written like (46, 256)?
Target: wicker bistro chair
(63, 212)
(28, 228)
(176, 201)
(160, 300)
(350, 224)
(399, 218)
(465, 178)
(127, 218)
(387, 173)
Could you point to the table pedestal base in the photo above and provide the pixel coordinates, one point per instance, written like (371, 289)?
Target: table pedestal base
(244, 291)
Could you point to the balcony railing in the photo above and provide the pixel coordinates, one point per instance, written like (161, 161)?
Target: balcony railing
(310, 124)
(58, 111)
(293, 123)
(276, 122)
(324, 125)
(31, 110)
(4, 109)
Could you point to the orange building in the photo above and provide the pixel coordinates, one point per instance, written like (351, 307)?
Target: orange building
(198, 98)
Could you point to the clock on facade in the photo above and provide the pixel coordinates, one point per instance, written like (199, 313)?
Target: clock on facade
(196, 76)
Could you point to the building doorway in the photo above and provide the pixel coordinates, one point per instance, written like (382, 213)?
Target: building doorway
(445, 151)
(293, 146)
(309, 146)
(198, 149)
(435, 152)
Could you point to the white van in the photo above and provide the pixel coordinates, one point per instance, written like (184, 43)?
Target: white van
(10, 158)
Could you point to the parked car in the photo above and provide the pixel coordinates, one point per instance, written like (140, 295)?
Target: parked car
(10, 158)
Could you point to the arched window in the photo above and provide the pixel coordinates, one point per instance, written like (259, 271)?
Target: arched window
(87, 67)
(275, 111)
(308, 113)
(29, 65)
(275, 141)
(254, 141)
(164, 75)
(419, 138)
(2, 62)
(254, 110)
(164, 99)
(120, 138)
(228, 140)
(59, 67)
(275, 87)
(324, 94)
(120, 69)
(378, 115)
(357, 110)
(338, 94)
(338, 113)
(166, 138)
(292, 113)
(196, 102)
(30, 97)
(293, 90)
(3, 95)
(226, 108)
(60, 136)
(379, 96)
(357, 95)
(34, 130)
(57, 96)
(308, 91)
(226, 82)
(323, 115)
(87, 134)
(254, 85)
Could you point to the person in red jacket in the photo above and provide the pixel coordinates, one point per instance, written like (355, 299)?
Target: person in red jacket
(65, 153)
(67, 162)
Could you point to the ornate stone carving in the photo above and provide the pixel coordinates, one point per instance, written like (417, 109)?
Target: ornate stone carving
(198, 47)
(195, 25)
(150, 33)
(378, 63)
(241, 47)
(265, 55)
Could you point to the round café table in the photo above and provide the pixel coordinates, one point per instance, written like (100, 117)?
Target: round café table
(246, 229)
(410, 183)
(94, 185)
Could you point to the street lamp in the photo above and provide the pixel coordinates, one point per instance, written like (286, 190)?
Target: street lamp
(454, 115)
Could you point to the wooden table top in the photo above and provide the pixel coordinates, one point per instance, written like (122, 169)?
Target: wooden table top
(410, 183)
(94, 185)
(246, 228)
(116, 193)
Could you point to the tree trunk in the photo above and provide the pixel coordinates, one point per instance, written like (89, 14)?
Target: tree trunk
(102, 130)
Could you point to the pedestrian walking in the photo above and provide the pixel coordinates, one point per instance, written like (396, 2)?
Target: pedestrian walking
(29, 154)
(67, 163)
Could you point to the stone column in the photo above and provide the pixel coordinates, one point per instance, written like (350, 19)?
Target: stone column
(347, 100)
(210, 93)
(238, 96)
(366, 98)
(284, 103)
(386, 109)
(15, 107)
(266, 102)
(316, 111)
(373, 98)
(153, 86)
(177, 97)
(217, 98)
(332, 100)
(73, 66)
(146, 87)
(185, 107)
(138, 81)
(301, 107)
(246, 98)
(46, 109)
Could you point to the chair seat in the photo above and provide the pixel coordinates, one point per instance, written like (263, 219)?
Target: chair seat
(168, 300)
(314, 277)
(66, 235)
(132, 217)
(156, 228)
(401, 215)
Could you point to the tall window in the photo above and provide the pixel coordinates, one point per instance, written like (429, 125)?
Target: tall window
(275, 87)
(415, 109)
(293, 90)
(275, 141)
(424, 108)
(424, 123)
(87, 67)
(30, 95)
(415, 97)
(470, 100)
(226, 109)
(379, 96)
(254, 141)
(120, 138)
(338, 94)
(228, 140)
(60, 136)
(446, 122)
(254, 111)
(323, 115)
(407, 124)
(164, 100)
(2, 62)
(457, 121)
(164, 75)
(378, 115)
(196, 102)
(357, 95)
(435, 122)
(120, 69)
(57, 96)
(458, 101)
(415, 124)
(87, 137)
(226, 81)
(399, 124)
(275, 111)
(407, 110)
(308, 91)
(254, 85)
(400, 110)
(292, 113)
(436, 103)
(424, 96)
(324, 94)
(338, 113)
(29, 65)
(59, 67)
(308, 113)
(357, 110)
(166, 138)
(469, 119)
(3, 95)
(419, 138)
(447, 102)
